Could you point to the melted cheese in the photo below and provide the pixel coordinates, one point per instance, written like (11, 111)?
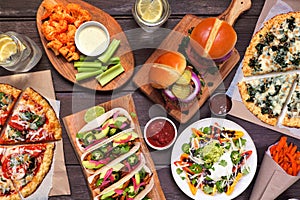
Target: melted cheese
(293, 110)
(268, 60)
(275, 101)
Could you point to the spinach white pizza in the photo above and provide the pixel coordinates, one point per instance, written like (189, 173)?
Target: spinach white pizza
(292, 115)
(276, 47)
(265, 97)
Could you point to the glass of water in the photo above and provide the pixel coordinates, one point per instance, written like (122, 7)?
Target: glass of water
(151, 14)
(18, 52)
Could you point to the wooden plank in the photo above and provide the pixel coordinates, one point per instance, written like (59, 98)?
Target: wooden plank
(73, 123)
(28, 8)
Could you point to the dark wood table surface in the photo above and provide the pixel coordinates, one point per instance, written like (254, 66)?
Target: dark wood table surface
(20, 15)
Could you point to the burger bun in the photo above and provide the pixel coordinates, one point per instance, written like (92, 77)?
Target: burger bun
(213, 38)
(167, 69)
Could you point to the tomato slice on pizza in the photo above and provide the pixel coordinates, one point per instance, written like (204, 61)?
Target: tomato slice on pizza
(32, 120)
(8, 97)
(27, 165)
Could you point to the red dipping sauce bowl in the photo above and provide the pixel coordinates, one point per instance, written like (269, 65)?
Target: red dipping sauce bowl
(160, 133)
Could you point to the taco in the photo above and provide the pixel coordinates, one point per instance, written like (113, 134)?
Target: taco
(110, 176)
(106, 126)
(111, 151)
(136, 187)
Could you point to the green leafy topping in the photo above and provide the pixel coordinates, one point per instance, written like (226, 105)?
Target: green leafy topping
(223, 163)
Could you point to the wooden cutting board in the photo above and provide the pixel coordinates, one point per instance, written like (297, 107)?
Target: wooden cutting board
(171, 43)
(73, 123)
(67, 70)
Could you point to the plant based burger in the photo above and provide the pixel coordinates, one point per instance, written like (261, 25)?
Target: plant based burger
(211, 39)
(179, 83)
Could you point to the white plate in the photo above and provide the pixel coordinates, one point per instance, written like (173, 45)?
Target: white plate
(184, 138)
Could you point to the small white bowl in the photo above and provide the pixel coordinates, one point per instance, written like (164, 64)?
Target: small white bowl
(92, 38)
(156, 147)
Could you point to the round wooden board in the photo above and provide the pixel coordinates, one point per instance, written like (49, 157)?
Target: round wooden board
(67, 69)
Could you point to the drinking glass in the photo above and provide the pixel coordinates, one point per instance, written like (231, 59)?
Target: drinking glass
(25, 55)
(152, 26)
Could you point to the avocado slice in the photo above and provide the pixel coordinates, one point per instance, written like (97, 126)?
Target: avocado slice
(89, 165)
(110, 193)
(125, 136)
(137, 178)
(121, 119)
(116, 168)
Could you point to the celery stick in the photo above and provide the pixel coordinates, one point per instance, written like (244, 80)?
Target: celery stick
(89, 69)
(114, 61)
(84, 75)
(110, 74)
(87, 64)
(86, 58)
(104, 58)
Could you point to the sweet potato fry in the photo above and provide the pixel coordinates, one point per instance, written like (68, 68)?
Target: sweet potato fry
(286, 156)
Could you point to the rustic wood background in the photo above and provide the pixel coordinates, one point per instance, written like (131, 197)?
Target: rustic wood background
(20, 15)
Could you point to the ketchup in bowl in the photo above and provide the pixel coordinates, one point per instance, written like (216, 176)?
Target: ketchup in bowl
(160, 133)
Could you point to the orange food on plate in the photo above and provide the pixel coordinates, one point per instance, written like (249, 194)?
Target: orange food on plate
(286, 156)
(59, 26)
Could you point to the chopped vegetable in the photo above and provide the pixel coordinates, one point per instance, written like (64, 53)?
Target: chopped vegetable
(104, 58)
(84, 64)
(84, 75)
(286, 156)
(110, 74)
(88, 67)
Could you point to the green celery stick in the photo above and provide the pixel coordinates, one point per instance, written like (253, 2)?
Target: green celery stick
(114, 61)
(84, 75)
(104, 58)
(88, 69)
(87, 64)
(110, 74)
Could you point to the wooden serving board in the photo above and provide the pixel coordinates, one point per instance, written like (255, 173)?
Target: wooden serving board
(67, 70)
(171, 43)
(73, 123)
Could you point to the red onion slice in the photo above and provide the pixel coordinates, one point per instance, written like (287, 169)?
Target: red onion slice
(224, 58)
(169, 94)
(193, 95)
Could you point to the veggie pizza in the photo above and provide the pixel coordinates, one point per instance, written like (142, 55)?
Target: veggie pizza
(273, 49)
(29, 128)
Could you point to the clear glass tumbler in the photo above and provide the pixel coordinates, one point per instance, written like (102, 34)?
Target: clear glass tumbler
(18, 52)
(151, 26)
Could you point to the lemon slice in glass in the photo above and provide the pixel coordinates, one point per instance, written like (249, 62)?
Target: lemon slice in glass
(150, 10)
(93, 112)
(7, 48)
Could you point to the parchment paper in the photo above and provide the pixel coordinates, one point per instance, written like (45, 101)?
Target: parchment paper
(270, 9)
(42, 82)
(272, 180)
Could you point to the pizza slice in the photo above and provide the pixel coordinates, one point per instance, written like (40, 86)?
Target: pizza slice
(265, 97)
(8, 97)
(292, 115)
(32, 120)
(275, 47)
(27, 165)
(7, 188)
